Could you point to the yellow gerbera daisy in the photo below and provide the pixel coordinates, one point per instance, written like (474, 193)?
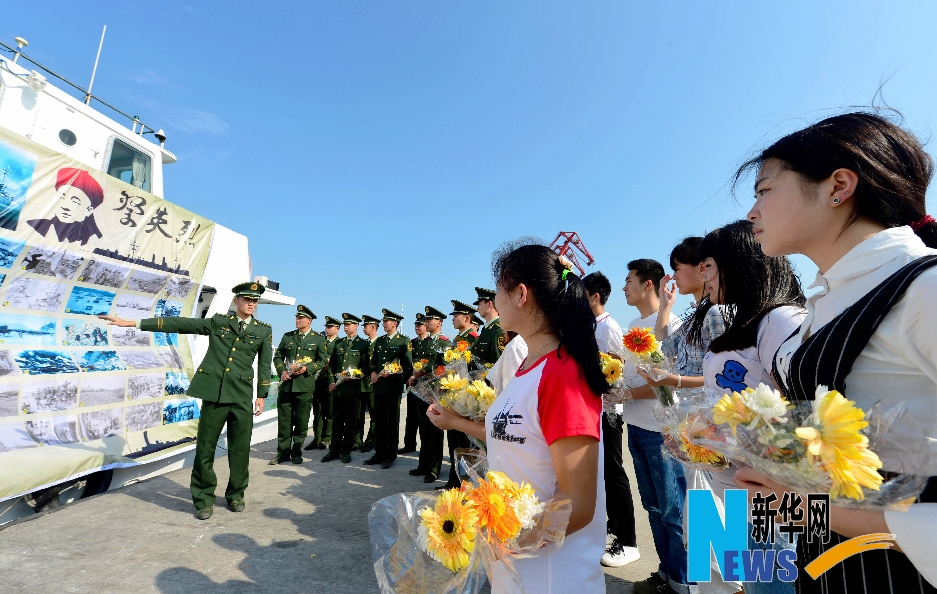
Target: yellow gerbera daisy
(495, 510)
(453, 382)
(835, 440)
(695, 453)
(732, 410)
(482, 392)
(450, 529)
(611, 367)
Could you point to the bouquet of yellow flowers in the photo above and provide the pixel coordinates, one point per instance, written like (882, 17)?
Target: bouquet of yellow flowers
(643, 350)
(469, 399)
(613, 369)
(451, 542)
(825, 445)
(392, 367)
(460, 351)
(419, 365)
(349, 373)
(683, 422)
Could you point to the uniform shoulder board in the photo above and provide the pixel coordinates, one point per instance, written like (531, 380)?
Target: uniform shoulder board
(405, 337)
(502, 342)
(258, 322)
(473, 334)
(443, 337)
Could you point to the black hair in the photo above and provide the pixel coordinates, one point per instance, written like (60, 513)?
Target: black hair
(686, 252)
(893, 168)
(597, 282)
(648, 270)
(564, 303)
(751, 283)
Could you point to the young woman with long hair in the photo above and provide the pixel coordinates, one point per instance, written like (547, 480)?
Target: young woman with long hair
(545, 426)
(849, 193)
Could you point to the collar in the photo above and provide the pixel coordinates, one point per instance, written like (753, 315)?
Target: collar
(245, 320)
(306, 333)
(391, 336)
(331, 340)
(871, 254)
(601, 317)
(434, 336)
(493, 320)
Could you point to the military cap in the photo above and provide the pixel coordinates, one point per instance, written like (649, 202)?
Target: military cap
(330, 321)
(369, 319)
(478, 320)
(462, 308)
(433, 314)
(348, 318)
(420, 319)
(250, 289)
(389, 315)
(484, 295)
(304, 312)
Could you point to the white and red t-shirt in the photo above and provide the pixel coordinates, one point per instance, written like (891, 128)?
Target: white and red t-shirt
(546, 402)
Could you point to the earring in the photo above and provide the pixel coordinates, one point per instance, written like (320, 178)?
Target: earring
(835, 200)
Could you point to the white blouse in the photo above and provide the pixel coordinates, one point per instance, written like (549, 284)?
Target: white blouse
(900, 361)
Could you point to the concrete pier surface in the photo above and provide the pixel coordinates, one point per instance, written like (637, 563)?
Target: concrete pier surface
(304, 530)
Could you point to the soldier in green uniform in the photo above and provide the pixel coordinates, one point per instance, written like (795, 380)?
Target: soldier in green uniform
(321, 411)
(490, 344)
(350, 353)
(390, 350)
(416, 408)
(429, 356)
(366, 403)
(462, 321)
(298, 359)
(224, 381)
(477, 323)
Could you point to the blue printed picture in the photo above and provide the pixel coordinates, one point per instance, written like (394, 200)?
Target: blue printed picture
(166, 339)
(179, 410)
(9, 251)
(83, 333)
(176, 383)
(168, 309)
(16, 329)
(100, 361)
(36, 362)
(16, 174)
(92, 302)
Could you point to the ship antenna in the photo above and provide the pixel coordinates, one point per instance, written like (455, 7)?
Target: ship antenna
(95, 69)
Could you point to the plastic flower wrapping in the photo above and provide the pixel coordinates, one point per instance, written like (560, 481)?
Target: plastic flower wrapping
(613, 368)
(687, 420)
(827, 445)
(460, 351)
(460, 540)
(348, 374)
(418, 365)
(643, 350)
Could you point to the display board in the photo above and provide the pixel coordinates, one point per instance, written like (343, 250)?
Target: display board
(77, 395)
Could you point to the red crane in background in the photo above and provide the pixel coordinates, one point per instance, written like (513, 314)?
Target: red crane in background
(566, 243)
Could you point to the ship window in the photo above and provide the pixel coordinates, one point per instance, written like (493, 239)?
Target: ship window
(67, 137)
(130, 165)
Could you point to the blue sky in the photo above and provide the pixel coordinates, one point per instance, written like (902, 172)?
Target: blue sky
(376, 153)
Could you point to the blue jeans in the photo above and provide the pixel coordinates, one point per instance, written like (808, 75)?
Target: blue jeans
(775, 586)
(662, 486)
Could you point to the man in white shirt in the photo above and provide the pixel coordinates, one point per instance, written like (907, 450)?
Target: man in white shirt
(661, 482)
(622, 545)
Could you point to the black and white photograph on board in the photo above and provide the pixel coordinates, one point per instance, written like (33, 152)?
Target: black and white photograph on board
(140, 359)
(9, 399)
(171, 358)
(46, 395)
(33, 293)
(99, 424)
(51, 262)
(133, 337)
(146, 282)
(179, 286)
(7, 366)
(106, 274)
(101, 390)
(143, 416)
(133, 307)
(54, 431)
(13, 436)
(144, 386)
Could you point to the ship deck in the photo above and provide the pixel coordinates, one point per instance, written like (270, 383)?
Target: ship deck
(304, 530)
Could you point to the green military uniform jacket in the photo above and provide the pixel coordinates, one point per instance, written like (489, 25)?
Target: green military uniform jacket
(469, 336)
(325, 378)
(385, 350)
(295, 346)
(432, 349)
(354, 353)
(226, 374)
(490, 343)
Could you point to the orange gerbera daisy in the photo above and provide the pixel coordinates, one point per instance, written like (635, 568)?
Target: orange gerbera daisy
(462, 346)
(494, 510)
(640, 341)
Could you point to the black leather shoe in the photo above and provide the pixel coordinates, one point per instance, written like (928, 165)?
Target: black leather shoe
(346, 458)
(329, 457)
(312, 446)
(417, 472)
(320, 446)
(366, 448)
(296, 459)
(406, 450)
(373, 460)
(429, 478)
(387, 464)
